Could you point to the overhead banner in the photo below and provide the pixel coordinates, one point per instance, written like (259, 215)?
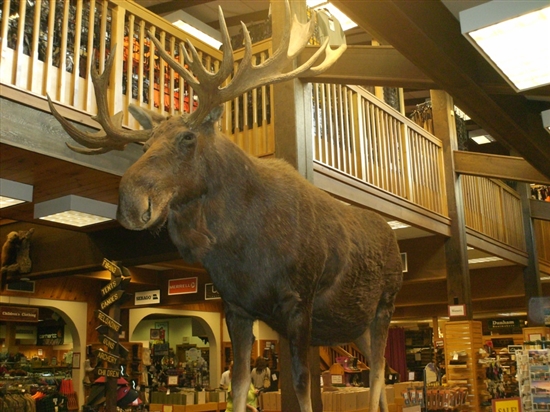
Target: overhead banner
(148, 297)
(183, 286)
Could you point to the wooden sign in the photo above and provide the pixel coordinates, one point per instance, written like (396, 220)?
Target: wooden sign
(107, 341)
(18, 314)
(108, 373)
(107, 357)
(113, 297)
(111, 267)
(112, 285)
(107, 320)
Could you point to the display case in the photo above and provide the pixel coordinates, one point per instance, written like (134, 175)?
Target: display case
(534, 379)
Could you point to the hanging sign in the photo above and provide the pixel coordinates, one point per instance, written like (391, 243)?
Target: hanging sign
(148, 297)
(503, 323)
(107, 320)
(457, 310)
(210, 292)
(183, 286)
(107, 341)
(50, 335)
(108, 373)
(113, 297)
(107, 357)
(18, 314)
(507, 405)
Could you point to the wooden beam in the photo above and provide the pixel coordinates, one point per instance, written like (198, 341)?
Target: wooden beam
(173, 5)
(355, 192)
(498, 167)
(245, 18)
(539, 210)
(45, 135)
(370, 66)
(429, 36)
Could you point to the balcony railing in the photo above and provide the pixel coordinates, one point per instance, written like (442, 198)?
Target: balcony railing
(48, 46)
(365, 138)
(493, 209)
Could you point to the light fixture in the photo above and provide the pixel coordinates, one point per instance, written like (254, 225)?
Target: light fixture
(345, 22)
(484, 260)
(75, 211)
(13, 193)
(480, 136)
(513, 37)
(546, 120)
(195, 28)
(395, 224)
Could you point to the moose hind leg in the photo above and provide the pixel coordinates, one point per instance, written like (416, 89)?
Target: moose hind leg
(240, 331)
(373, 345)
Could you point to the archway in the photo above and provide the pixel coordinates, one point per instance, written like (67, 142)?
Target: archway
(74, 315)
(210, 322)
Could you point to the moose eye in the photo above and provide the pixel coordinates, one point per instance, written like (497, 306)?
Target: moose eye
(187, 136)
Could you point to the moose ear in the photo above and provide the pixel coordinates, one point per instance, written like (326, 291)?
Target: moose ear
(214, 114)
(145, 117)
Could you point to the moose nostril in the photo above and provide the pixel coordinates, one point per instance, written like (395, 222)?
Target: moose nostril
(146, 216)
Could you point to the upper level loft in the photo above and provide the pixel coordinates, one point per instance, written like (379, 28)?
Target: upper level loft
(361, 149)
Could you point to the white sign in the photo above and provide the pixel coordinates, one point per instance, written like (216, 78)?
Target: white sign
(457, 310)
(149, 297)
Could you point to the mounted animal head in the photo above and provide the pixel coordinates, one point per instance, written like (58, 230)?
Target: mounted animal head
(172, 171)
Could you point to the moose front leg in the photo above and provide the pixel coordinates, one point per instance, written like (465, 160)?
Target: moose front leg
(240, 332)
(299, 337)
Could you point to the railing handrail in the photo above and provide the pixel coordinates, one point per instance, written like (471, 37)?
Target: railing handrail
(386, 107)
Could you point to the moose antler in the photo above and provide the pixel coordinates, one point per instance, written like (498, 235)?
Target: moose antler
(207, 85)
(112, 136)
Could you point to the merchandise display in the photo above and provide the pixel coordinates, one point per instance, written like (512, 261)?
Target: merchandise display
(534, 379)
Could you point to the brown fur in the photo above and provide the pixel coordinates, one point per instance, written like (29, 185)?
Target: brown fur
(277, 248)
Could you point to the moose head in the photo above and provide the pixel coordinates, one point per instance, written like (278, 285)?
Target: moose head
(277, 248)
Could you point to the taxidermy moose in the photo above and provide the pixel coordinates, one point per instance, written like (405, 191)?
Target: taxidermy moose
(277, 248)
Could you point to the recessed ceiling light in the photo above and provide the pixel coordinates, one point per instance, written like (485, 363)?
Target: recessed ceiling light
(75, 211)
(511, 36)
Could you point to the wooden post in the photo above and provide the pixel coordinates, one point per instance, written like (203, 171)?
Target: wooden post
(292, 108)
(531, 276)
(458, 274)
(292, 113)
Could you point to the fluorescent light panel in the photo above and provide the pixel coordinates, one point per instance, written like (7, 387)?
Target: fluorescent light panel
(513, 37)
(546, 120)
(484, 260)
(13, 193)
(344, 20)
(195, 28)
(395, 224)
(75, 211)
(480, 136)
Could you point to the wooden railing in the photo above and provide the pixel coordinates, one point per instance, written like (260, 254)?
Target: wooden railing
(48, 48)
(542, 233)
(365, 138)
(493, 209)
